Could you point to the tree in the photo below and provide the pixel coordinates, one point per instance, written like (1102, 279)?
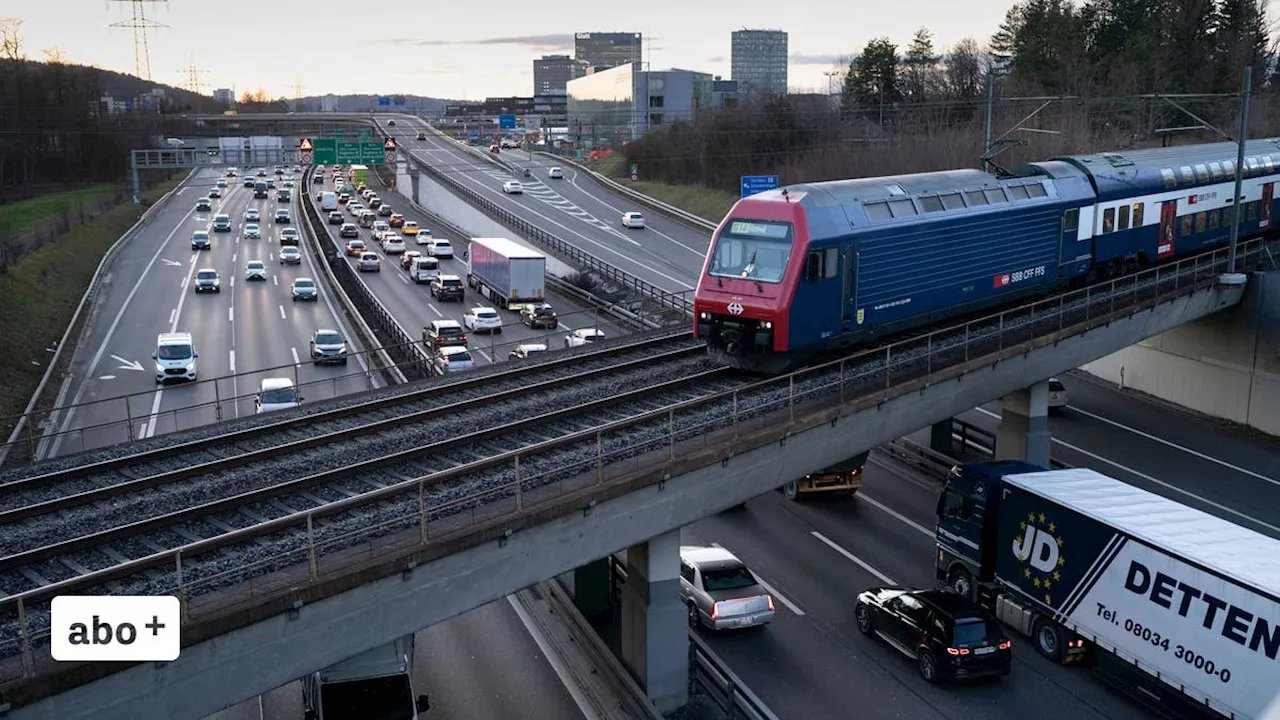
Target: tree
(966, 70)
(1043, 45)
(872, 81)
(921, 73)
(1239, 39)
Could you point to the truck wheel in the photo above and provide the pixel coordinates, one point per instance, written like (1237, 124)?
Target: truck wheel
(1048, 639)
(960, 582)
(862, 614)
(790, 492)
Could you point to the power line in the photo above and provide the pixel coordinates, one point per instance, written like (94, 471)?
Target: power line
(140, 24)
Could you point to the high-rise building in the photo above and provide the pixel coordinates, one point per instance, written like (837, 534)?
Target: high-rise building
(552, 73)
(226, 95)
(601, 51)
(759, 61)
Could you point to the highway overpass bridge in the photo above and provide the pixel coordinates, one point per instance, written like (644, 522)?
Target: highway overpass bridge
(570, 500)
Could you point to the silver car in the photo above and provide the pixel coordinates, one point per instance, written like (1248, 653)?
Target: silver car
(255, 270)
(290, 255)
(252, 232)
(328, 346)
(304, 289)
(207, 281)
(453, 358)
(720, 592)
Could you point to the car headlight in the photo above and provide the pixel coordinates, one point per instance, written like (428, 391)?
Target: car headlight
(191, 366)
(159, 368)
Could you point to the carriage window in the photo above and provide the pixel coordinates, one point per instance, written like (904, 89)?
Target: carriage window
(1214, 219)
(931, 204)
(975, 197)
(1251, 164)
(878, 211)
(1036, 190)
(1229, 167)
(1070, 220)
(1266, 160)
(1137, 214)
(952, 201)
(1170, 181)
(995, 195)
(1187, 177)
(1122, 219)
(1202, 173)
(902, 208)
(1108, 220)
(1186, 224)
(1215, 169)
(1200, 222)
(1251, 211)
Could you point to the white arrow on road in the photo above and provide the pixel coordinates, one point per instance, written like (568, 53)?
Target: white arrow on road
(170, 263)
(128, 364)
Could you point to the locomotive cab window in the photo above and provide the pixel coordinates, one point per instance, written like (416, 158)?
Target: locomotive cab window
(756, 250)
(822, 264)
(1108, 220)
(1070, 220)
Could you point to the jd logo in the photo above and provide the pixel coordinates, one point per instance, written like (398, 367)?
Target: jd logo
(1039, 547)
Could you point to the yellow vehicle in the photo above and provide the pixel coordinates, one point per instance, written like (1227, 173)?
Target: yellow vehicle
(840, 480)
(410, 228)
(229, 113)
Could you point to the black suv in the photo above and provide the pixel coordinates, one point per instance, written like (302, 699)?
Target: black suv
(539, 315)
(949, 636)
(447, 287)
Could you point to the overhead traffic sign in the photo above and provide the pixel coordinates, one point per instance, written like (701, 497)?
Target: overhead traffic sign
(752, 184)
(304, 145)
(363, 150)
(305, 158)
(389, 145)
(389, 158)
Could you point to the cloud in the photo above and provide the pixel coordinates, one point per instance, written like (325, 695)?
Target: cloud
(537, 42)
(819, 59)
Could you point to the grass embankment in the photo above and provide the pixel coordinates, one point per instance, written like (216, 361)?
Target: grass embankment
(20, 217)
(40, 292)
(703, 202)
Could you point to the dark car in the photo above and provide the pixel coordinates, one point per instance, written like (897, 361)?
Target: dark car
(948, 635)
(539, 315)
(335, 218)
(448, 287)
(349, 230)
(317, 179)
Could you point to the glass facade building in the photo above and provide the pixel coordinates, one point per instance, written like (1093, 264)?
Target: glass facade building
(552, 73)
(614, 106)
(759, 61)
(607, 50)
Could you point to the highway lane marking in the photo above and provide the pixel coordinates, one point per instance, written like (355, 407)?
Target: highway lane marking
(1174, 445)
(484, 355)
(553, 659)
(233, 255)
(896, 515)
(282, 315)
(173, 314)
(574, 182)
(771, 590)
(296, 361)
(233, 362)
(106, 377)
(275, 280)
(155, 413)
(1163, 484)
(854, 558)
(233, 282)
(436, 311)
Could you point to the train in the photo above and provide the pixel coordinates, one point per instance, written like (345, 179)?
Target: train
(804, 271)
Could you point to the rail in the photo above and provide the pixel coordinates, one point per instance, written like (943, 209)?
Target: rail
(606, 458)
(680, 302)
(24, 420)
(967, 440)
(709, 676)
(684, 216)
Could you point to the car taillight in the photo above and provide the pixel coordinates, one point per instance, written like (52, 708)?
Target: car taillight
(770, 599)
(462, 338)
(1009, 643)
(956, 652)
(715, 611)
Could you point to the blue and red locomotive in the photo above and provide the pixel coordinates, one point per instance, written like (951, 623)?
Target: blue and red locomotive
(808, 269)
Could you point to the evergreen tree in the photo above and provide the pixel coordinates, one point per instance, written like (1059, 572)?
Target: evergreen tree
(921, 79)
(872, 84)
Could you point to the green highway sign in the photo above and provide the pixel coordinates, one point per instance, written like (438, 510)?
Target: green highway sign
(363, 149)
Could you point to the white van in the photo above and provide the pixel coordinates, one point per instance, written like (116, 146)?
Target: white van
(276, 394)
(424, 270)
(328, 201)
(175, 357)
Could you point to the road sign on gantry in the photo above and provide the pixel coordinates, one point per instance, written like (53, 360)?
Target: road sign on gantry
(305, 158)
(304, 145)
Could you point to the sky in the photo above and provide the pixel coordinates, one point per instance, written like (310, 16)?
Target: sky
(462, 52)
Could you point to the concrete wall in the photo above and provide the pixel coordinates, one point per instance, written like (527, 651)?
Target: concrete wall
(1226, 365)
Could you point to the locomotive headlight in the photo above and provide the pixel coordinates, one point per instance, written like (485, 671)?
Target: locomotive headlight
(704, 316)
(766, 325)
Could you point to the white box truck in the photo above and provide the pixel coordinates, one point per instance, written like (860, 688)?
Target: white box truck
(506, 272)
(1179, 607)
(374, 684)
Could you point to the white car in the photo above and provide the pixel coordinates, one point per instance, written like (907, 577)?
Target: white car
(252, 232)
(1057, 395)
(511, 187)
(251, 215)
(583, 336)
(556, 173)
(392, 244)
(424, 236)
(440, 249)
(255, 270)
(380, 227)
(633, 220)
(482, 319)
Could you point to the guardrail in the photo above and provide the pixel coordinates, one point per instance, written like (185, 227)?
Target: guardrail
(679, 214)
(968, 442)
(529, 485)
(680, 302)
(708, 674)
(24, 420)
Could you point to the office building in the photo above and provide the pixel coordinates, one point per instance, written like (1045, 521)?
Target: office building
(552, 73)
(225, 95)
(329, 103)
(602, 51)
(610, 107)
(759, 61)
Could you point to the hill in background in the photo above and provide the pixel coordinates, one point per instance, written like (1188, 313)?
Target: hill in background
(360, 103)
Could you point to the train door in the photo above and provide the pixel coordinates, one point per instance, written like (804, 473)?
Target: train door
(1168, 229)
(850, 291)
(1264, 212)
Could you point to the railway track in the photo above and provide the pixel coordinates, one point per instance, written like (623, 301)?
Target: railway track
(124, 512)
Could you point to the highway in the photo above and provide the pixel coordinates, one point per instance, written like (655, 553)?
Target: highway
(413, 307)
(816, 556)
(244, 328)
(576, 208)
(484, 664)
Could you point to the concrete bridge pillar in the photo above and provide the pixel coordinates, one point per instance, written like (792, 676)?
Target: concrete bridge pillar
(655, 637)
(590, 587)
(1023, 433)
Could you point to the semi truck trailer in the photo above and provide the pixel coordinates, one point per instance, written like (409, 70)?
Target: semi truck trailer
(374, 684)
(506, 272)
(1176, 606)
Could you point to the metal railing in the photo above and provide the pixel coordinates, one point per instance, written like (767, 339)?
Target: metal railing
(678, 213)
(528, 485)
(968, 441)
(26, 419)
(677, 301)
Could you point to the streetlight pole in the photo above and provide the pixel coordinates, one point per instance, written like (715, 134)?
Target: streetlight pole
(1231, 276)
